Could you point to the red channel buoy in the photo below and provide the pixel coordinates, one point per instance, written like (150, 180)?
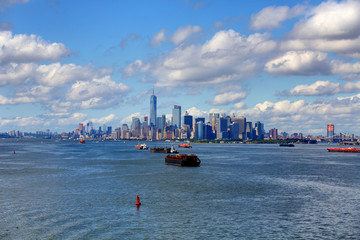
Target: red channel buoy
(138, 203)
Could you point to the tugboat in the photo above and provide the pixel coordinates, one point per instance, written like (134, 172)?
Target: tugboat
(141, 146)
(183, 160)
(351, 150)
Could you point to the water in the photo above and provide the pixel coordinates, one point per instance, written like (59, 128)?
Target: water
(67, 190)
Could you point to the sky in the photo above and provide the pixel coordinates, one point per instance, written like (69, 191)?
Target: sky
(292, 65)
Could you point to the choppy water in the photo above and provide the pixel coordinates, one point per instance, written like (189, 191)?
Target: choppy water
(66, 190)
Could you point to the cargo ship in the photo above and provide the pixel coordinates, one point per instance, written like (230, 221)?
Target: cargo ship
(183, 160)
(351, 150)
(141, 146)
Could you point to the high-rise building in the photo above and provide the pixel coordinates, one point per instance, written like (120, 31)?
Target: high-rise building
(249, 130)
(242, 126)
(188, 120)
(153, 100)
(330, 130)
(213, 120)
(222, 126)
(273, 133)
(177, 116)
(259, 128)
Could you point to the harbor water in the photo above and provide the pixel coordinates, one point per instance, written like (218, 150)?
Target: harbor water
(67, 190)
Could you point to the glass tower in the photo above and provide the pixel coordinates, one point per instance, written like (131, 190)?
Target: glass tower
(153, 100)
(177, 116)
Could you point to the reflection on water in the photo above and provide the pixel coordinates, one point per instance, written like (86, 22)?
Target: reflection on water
(66, 190)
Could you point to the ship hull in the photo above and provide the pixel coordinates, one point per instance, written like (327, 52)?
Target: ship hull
(188, 160)
(349, 150)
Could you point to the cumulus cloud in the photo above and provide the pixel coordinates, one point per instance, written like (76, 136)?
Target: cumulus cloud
(239, 105)
(183, 33)
(179, 36)
(22, 48)
(316, 89)
(15, 73)
(229, 97)
(159, 38)
(128, 119)
(303, 116)
(195, 112)
(271, 17)
(321, 88)
(227, 56)
(331, 20)
(332, 26)
(103, 120)
(300, 63)
(97, 87)
(57, 74)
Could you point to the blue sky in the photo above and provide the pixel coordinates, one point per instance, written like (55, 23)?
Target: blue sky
(293, 67)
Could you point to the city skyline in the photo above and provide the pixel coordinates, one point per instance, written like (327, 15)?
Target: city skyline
(292, 66)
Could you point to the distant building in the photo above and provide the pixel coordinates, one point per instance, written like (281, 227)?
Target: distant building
(188, 120)
(153, 100)
(273, 133)
(330, 130)
(177, 116)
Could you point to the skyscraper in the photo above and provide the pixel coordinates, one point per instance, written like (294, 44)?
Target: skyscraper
(177, 116)
(330, 130)
(153, 100)
(188, 120)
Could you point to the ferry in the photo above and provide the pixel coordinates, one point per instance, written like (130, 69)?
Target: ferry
(185, 145)
(183, 160)
(141, 146)
(351, 150)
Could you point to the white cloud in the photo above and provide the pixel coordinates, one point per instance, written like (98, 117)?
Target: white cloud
(103, 120)
(135, 68)
(331, 20)
(315, 89)
(183, 33)
(271, 17)
(300, 63)
(302, 116)
(239, 105)
(195, 112)
(103, 87)
(57, 74)
(22, 48)
(15, 74)
(159, 38)
(21, 122)
(74, 118)
(128, 119)
(180, 35)
(227, 56)
(229, 97)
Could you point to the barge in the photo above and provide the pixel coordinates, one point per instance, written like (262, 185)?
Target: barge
(183, 160)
